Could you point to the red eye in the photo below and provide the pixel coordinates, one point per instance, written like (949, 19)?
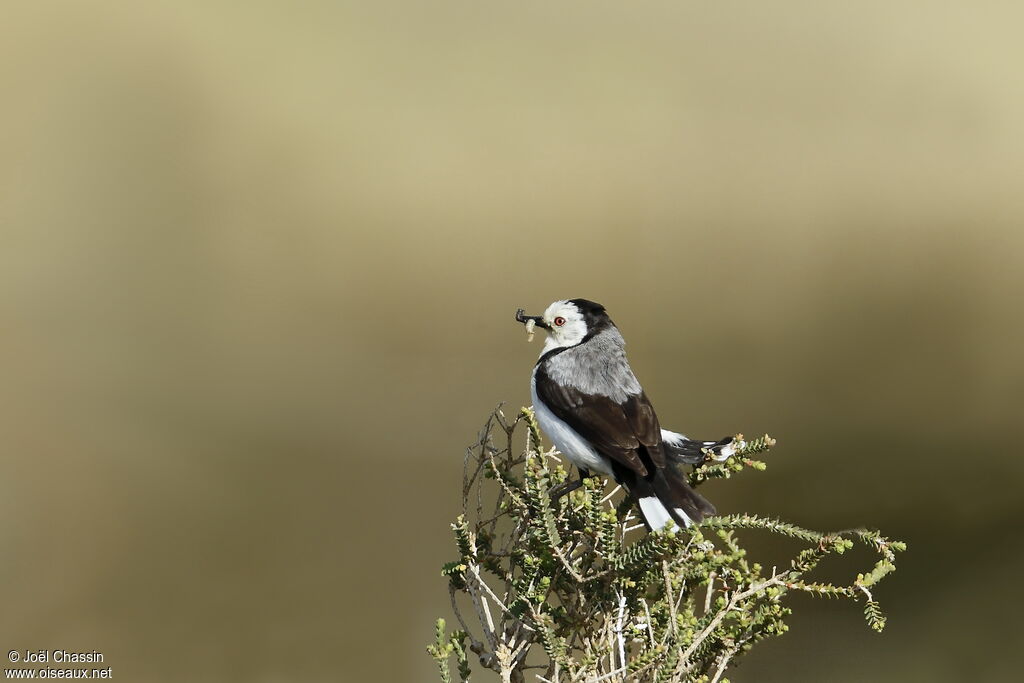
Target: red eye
(559, 321)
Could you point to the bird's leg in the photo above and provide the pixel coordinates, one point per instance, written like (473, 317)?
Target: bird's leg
(623, 508)
(563, 489)
(567, 487)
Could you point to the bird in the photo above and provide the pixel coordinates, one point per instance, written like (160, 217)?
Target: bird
(591, 406)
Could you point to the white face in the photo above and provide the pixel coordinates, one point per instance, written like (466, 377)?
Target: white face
(568, 327)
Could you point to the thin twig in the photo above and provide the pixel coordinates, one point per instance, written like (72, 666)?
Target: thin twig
(673, 626)
(711, 590)
(618, 630)
(737, 597)
(608, 675)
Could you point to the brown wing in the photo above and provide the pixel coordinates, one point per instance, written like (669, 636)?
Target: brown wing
(616, 430)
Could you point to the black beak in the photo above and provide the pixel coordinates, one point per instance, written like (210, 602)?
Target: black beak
(521, 317)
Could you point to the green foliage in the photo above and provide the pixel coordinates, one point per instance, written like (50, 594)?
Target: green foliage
(579, 591)
(443, 648)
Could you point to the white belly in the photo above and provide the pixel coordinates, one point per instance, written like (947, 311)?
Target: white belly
(565, 438)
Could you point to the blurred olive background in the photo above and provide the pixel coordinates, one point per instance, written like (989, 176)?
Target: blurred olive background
(259, 263)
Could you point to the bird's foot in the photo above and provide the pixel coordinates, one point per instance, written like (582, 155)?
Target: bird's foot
(557, 492)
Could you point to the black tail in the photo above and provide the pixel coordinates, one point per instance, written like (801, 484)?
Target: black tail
(685, 451)
(665, 497)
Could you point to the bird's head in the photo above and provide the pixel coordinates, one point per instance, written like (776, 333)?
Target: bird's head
(568, 322)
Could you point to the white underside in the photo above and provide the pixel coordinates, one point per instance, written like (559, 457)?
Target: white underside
(566, 440)
(674, 438)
